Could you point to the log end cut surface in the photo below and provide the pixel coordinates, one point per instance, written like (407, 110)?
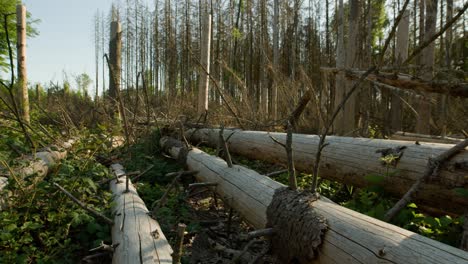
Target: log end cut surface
(299, 229)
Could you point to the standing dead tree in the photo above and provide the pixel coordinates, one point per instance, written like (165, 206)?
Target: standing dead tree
(21, 58)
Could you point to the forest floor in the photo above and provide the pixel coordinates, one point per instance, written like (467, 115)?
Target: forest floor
(42, 224)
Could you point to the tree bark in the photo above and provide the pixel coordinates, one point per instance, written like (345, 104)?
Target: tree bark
(205, 61)
(354, 160)
(401, 55)
(340, 63)
(21, 58)
(351, 237)
(139, 237)
(427, 62)
(115, 55)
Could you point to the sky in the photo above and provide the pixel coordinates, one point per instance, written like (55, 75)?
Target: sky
(65, 40)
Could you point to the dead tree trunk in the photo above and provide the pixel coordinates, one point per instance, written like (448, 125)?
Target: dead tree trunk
(352, 160)
(205, 63)
(340, 79)
(351, 237)
(427, 62)
(115, 55)
(139, 237)
(401, 55)
(21, 58)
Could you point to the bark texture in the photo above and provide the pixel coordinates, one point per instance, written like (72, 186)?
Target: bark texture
(352, 160)
(351, 237)
(299, 228)
(139, 236)
(21, 57)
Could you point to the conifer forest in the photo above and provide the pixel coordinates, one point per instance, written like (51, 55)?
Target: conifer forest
(234, 131)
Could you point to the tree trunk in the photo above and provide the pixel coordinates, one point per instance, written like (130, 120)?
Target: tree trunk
(276, 66)
(354, 160)
(427, 62)
(139, 236)
(205, 64)
(21, 58)
(351, 61)
(115, 54)
(351, 237)
(401, 55)
(340, 63)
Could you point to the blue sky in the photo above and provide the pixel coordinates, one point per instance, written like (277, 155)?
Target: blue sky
(65, 41)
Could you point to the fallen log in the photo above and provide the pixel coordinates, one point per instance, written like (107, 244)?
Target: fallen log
(358, 161)
(39, 163)
(138, 236)
(407, 136)
(351, 237)
(408, 82)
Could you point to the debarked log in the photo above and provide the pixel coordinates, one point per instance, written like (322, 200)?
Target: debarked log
(40, 163)
(362, 162)
(138, 237)
(350, 237)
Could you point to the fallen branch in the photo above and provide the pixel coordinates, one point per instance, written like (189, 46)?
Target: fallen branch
(82, 205)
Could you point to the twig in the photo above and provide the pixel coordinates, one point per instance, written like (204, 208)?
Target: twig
(14, 109)
(119, 176)
(183, 173)
(202, 184)
(178, 250)
(82, 205)
(258, 233)
(276, 173)
(392, 32)
(288, 148)
(322, 143)
(143, 173)
(102, 246)
(289, 154)
(221, 94)
(432, 170)
(225, 147)
(426, 43)
(238, 257)
(161, 202)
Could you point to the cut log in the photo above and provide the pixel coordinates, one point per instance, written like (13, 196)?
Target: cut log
(352, 160)
(139, 237)
(351, 237)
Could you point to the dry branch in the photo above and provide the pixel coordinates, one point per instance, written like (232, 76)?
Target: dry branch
(82, 205)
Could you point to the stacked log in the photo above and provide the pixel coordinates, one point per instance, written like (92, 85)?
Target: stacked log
(351, 237)
(354, 160)
(138, 236)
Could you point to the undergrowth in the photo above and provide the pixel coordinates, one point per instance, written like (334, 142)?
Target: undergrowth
(153, 184)
(39, 224)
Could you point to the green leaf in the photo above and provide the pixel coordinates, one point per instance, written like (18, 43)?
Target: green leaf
(461, 191)
(374, 178)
